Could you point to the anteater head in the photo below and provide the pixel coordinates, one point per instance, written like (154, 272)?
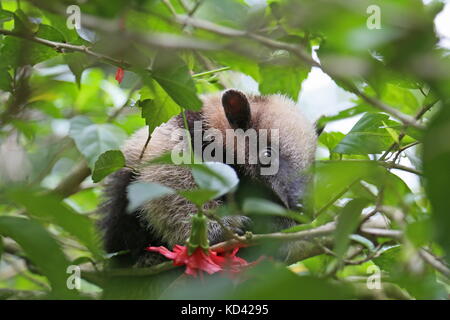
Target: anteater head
(266, 139)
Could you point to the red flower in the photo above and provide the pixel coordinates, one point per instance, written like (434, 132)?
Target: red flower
(210, 261)
(119, 75)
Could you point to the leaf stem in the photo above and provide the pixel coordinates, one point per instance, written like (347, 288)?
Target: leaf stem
(207, 73)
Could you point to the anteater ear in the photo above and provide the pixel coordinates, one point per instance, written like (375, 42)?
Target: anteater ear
(237, 109)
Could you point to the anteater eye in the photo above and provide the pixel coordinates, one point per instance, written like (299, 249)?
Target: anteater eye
(265, 157)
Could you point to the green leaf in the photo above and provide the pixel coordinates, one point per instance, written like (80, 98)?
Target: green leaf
(78, 124)
(215, 176)
(50, 208)
(13, 50)
(420, 232)
(392, 133)
(266, 280)
(59, 22)
(6, 15)
(229, 13)
(94, 139)
(332, 179)
(281, 76)
(367, 136)
(172, 73)
(262, 207)
(156, 105)
(436, 160)
(237, 63)
(271, 281)
(107, 163)
(400, 98)
(41, 248)
(331, 140)
(347, 113)
(2, 247)
(395, 189)
(159, 109)
(142, 192)
(389, 259)
(77, 63)
(198, 196)
(347, 222)
(5, 80)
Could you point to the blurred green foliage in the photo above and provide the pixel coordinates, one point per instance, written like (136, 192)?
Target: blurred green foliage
(63, 116)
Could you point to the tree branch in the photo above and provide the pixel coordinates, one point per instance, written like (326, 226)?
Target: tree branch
(406, 119)
(277, 236)
(171, 41)
(300, 53)
(434, 262)
(59, 46)
(386, 164)
(308, 243)
(385, 233)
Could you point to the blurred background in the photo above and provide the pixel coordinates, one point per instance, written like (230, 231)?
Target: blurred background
(62, 108)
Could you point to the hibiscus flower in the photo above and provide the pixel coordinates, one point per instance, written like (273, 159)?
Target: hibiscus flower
(203, 260)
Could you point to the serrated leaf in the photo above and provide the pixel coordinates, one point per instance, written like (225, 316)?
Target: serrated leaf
(172, 73)
(107, 163)
(158, 110)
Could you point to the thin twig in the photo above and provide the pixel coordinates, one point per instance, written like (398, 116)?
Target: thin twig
(403, 149)
(434, 262)
(418, 116)
(387, 233)
(386, 164)
(209, 72)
